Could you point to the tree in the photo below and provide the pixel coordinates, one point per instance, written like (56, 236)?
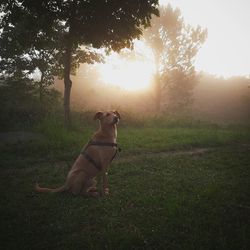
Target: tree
(174, 45)
(75, 27)
(25, 52)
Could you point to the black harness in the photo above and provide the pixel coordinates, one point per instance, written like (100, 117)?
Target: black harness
(102, 144)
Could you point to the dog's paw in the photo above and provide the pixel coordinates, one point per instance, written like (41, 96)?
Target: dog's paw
(106, 192)
(93, 192)
(92, 189)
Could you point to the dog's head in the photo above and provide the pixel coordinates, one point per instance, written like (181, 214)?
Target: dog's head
(108, 117)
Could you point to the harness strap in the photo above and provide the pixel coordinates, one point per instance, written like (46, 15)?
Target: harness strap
(118, 149)
(92, 143)
(90, 159)
(96, 143)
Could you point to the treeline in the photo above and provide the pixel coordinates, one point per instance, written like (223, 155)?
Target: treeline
(214, 99)
(222, 100)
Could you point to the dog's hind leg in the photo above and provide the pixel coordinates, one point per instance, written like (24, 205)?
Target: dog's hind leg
(91, 184)
(91, 189)
(80, 184)
(77, 183)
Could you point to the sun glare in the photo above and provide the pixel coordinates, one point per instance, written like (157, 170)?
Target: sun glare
(225, 52)
(130, 73)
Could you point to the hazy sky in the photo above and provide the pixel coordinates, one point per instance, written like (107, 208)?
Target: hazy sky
(226, 51)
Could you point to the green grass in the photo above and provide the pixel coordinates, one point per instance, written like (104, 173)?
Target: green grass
(159, 200)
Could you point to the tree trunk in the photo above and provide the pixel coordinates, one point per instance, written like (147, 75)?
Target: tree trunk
(67, 85)
(157, 84)
(41, 87)
(158, 93)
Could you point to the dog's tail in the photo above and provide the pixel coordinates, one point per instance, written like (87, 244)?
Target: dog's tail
(49, 190)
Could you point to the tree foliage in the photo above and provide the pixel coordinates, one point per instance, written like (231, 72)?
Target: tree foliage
(174, 45)
(68, 31)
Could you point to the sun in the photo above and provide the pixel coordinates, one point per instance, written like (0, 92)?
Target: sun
(130, 73)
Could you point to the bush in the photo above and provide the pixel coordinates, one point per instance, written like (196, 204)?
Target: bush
(21, 106)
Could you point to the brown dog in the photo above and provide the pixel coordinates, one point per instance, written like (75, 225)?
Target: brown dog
(94, 160)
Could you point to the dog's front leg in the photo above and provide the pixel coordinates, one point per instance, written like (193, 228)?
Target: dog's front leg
(105, 184)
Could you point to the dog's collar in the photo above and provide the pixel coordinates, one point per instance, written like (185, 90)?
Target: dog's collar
(103, 144)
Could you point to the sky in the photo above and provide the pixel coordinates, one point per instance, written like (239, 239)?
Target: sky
(226, 51)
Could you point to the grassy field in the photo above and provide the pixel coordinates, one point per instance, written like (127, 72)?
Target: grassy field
(171, 188)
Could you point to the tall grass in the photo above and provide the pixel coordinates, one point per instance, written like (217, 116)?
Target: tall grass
(136, 134)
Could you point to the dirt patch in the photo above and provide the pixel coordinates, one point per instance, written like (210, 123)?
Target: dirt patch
(18, 136)
(192, 151)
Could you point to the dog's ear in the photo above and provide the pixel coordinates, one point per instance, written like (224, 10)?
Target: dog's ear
(98, 115)
(117, 113)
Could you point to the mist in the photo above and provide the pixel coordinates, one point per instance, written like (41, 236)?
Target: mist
(214, 98)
